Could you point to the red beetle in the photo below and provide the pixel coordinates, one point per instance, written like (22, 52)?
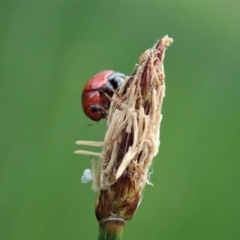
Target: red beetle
(95, 101)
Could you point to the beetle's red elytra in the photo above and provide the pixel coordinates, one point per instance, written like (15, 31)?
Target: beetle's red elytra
(96, 93)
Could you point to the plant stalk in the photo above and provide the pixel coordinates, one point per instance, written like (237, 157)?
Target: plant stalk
(110, 230)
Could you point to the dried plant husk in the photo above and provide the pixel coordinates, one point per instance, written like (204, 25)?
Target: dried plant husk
(132, 139)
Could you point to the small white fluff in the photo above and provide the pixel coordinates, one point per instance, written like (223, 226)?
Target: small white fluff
(87, 176)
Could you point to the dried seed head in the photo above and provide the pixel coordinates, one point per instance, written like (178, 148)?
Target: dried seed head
(132, 138)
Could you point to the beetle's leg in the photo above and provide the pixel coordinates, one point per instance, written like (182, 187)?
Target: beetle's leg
(117, 101)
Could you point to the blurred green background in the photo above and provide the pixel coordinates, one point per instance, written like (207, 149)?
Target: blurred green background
(49, 49)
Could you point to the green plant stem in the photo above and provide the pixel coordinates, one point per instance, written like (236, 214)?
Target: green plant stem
(111, 230)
